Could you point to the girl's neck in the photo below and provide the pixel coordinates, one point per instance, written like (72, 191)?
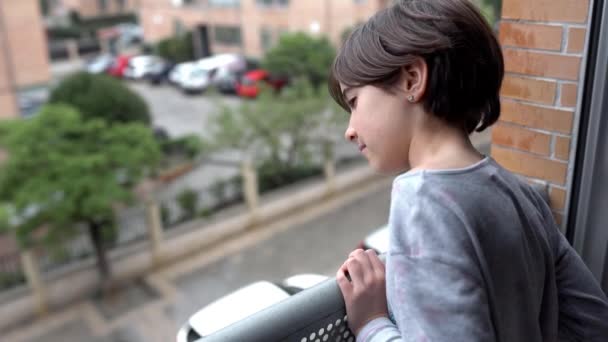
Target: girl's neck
(437, 145)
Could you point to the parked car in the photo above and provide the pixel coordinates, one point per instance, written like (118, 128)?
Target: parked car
(119, 66)
(243, 303)
(160, 72)
(100, 64)
(179, 72)
(140, 66)
(249, 85)
(226, 79)
(196, 80)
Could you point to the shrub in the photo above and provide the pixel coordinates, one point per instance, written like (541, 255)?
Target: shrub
(188, 203)
(99, 96)
(177, 49)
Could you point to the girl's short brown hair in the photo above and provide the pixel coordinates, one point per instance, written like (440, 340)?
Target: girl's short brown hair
(463, 57)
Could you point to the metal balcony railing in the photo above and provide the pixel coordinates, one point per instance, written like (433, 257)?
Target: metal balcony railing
(315, 314)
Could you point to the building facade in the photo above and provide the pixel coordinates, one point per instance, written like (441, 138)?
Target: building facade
(24, 60)
(250, 27)
(92, 8)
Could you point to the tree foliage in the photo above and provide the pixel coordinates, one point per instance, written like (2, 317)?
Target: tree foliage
(102, 97)
(63, 170)
(177, 49)
(300, 55)
(284, 129)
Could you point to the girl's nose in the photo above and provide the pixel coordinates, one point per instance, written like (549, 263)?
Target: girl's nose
(350, 134)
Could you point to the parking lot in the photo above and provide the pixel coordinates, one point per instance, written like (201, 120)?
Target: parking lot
(178, 113)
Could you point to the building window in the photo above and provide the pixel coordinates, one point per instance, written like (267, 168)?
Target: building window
(178, 27)
(225, 3)
(269, 3)
(121, 5)
(229, 35)
(102, 5)
(266, 38)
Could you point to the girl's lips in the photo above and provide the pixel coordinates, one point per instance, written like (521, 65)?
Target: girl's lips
(362, 147)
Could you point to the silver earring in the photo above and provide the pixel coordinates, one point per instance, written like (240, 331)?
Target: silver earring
(410, 98)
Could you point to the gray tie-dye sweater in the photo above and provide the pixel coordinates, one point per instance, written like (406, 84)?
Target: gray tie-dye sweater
(475, 255)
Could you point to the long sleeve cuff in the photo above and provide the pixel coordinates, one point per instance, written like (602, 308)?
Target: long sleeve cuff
(375, 327)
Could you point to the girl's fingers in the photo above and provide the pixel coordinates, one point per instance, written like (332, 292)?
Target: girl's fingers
(355, 252)
(355, 270)
(377, 264)
(344, 284)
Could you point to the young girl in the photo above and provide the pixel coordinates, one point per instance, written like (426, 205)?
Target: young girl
(474, 252)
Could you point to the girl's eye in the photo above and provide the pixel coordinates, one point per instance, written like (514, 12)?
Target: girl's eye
(353, 102)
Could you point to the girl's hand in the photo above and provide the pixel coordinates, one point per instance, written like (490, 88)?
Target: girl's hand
(365, 294)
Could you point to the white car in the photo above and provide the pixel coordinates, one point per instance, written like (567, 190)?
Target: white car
(140, 66)
(179, 72)
(196, 80)
(99, 64)
(243, 303)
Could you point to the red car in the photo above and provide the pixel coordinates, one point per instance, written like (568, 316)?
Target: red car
(118, 67)
(249, 86)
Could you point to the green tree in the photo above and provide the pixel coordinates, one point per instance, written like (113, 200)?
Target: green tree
(298, 54)
(177, 49)
(100, 96)
(283, 130)
(63, 171)
(188, 202)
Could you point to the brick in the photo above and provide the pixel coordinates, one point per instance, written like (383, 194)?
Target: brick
(548, 37)
(542, 64)
(556, 120)
(530, 165)
(576, 39)
(557, 198)
(521, 138)
(562, 148)
(574, 11)
(529, 89)
(569, 94)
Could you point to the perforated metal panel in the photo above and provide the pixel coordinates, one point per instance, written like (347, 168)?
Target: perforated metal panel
(330, 329)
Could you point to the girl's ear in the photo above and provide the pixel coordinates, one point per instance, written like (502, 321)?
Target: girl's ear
(414, 78)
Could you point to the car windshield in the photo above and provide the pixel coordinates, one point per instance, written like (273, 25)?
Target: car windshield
(198, 73)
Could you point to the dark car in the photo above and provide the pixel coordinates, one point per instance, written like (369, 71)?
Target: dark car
(160, 72)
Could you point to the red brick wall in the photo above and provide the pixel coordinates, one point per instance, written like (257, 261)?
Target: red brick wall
(543, 43)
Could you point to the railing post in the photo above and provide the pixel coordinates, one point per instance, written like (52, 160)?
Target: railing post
(155, 230)
(32, 274)
(250, 188)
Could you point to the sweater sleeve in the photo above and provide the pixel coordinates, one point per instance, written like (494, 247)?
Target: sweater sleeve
(434, 285)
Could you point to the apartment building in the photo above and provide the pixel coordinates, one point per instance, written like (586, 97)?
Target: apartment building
(250, 26)
(24, 63)
(91, 8)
